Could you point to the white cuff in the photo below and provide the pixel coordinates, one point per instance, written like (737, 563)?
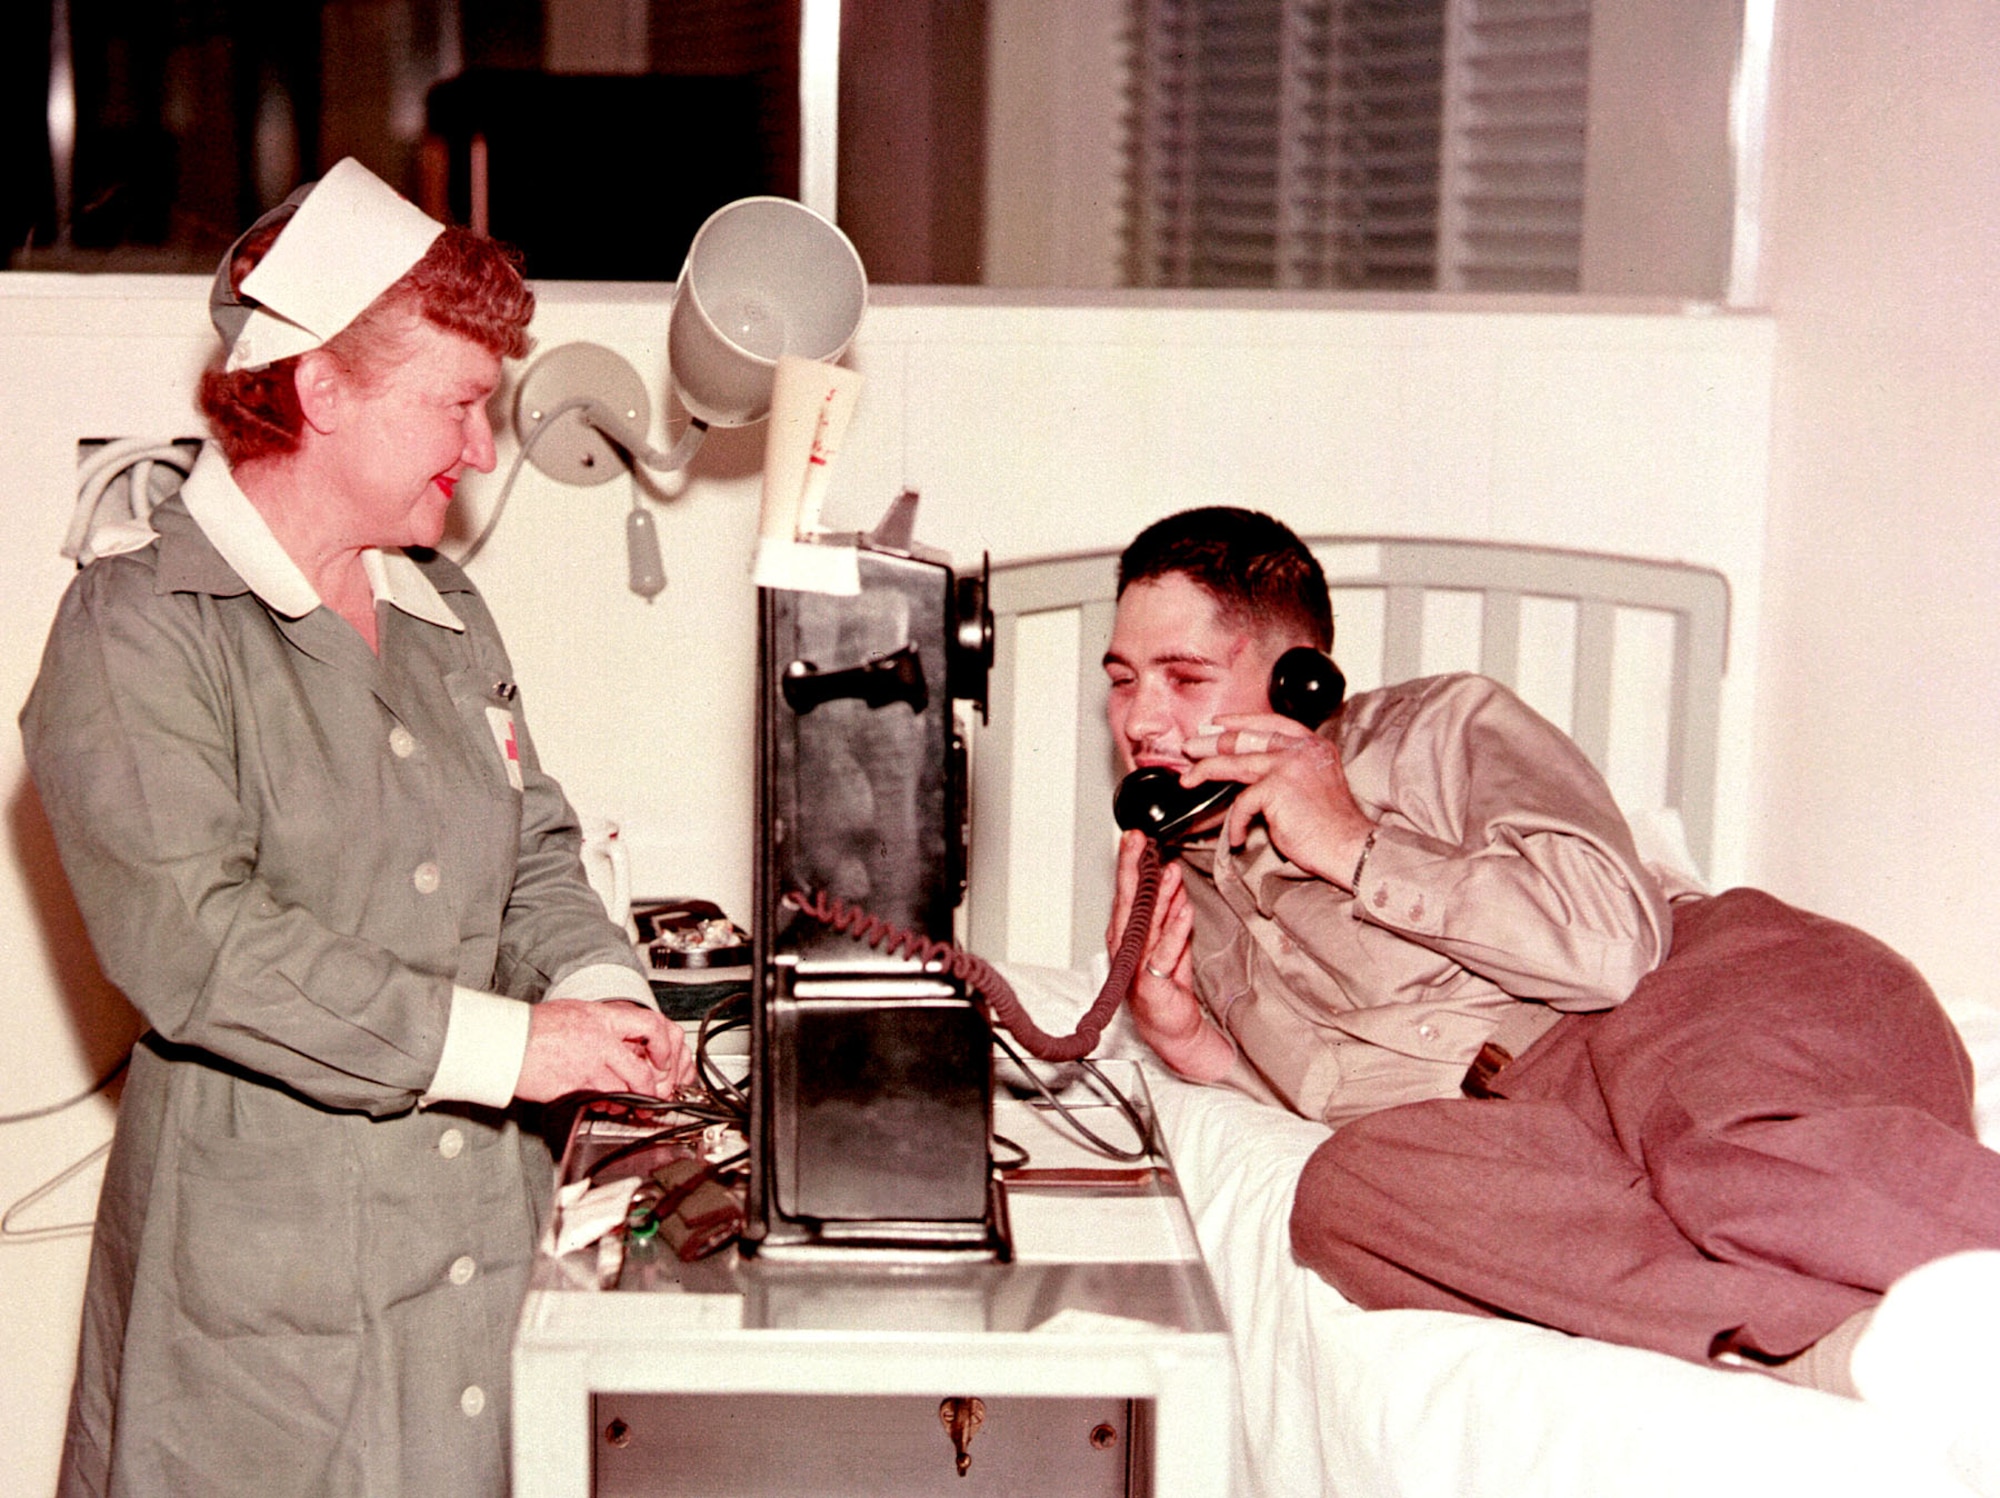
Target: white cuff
(485, 1042)
(604, 980)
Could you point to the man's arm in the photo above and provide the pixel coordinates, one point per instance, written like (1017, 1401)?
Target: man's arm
(1497, 845)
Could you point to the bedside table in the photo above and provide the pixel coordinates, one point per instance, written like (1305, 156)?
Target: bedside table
(1095, 1362)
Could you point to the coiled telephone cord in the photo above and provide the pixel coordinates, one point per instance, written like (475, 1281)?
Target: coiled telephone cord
(976, 972)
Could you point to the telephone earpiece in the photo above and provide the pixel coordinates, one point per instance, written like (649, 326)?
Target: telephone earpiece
(1305, 686)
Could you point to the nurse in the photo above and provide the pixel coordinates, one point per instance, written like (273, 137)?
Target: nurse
(287, 766)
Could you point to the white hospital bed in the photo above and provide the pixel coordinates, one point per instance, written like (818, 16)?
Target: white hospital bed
(1629, 657)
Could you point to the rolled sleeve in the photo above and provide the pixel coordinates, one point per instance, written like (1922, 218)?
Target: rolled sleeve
(485, 1042)
(604, 980)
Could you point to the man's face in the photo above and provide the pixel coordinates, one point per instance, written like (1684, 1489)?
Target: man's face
(1176, 664)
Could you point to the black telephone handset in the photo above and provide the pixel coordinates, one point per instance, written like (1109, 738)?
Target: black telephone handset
(1305, 687)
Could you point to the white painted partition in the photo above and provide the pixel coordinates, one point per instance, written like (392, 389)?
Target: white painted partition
(1031, 427)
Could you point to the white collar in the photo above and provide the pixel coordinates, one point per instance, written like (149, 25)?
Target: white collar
(238, 533)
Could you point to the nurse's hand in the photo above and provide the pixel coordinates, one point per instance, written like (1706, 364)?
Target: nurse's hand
(601, 1045)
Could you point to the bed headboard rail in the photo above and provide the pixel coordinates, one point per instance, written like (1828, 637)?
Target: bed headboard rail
(1626, 655)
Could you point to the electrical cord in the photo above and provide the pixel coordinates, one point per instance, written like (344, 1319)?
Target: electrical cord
(70, 1102)
(1106, 1090)
(720, 1100)
(98, 493)
(976, 971)
(1016, 1159)
(9, 1233)
(969, 968)
(672, 1134)
(634, 454)
(720, 1088)
(464, 559)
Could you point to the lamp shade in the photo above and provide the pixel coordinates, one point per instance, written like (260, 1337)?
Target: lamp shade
(764, 277)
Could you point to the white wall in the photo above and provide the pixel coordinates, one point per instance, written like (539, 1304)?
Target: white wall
(1877, 790)
(1029, 428)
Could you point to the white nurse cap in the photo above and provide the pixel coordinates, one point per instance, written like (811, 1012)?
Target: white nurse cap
(350, 237)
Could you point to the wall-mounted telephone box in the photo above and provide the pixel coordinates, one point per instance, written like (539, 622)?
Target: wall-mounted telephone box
(871, 1071)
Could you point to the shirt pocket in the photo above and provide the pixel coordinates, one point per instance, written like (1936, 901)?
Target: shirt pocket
(489, 714)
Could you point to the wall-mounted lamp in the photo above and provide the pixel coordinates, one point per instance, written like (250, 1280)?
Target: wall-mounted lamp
(764, 277)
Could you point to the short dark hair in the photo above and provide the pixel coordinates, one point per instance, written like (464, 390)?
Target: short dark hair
(1257, 569)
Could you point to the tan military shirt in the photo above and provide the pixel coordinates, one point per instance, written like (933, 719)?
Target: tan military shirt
(1502, 873)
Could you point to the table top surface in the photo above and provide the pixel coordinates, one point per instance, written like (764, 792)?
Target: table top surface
(1100, 1246)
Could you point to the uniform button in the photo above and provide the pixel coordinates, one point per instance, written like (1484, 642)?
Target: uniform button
(463, 1269)
(1428, 1031)
(473, 1400)
(450, 1142)
(402, 743)
(1287, 945)
(426, 878)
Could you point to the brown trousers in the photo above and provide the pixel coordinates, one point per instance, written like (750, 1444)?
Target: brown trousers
(1776, 1125)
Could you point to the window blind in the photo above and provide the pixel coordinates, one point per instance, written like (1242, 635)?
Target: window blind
(1382, 144)
(1511, 189)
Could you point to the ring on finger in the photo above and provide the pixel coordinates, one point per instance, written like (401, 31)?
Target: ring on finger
(1163, 977)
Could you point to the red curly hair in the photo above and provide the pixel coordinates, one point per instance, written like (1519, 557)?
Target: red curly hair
(466, 284)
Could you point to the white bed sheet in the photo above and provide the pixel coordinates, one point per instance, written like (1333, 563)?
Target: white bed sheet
(1420, 1404)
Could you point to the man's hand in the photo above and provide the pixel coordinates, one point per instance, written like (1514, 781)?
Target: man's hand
(1169, 1017)
(1295, 781)
(607, 1045)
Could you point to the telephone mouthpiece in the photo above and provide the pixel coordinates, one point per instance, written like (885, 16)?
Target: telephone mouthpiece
(1154, 801)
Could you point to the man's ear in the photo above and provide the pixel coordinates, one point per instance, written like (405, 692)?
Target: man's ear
(318, 381)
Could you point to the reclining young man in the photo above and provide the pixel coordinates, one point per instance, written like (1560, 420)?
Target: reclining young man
(1717, 1127)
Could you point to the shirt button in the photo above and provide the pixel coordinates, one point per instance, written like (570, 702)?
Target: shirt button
(450, 1142)
(402, 743)
(463, 1269)
(1428, 1031)
(425, 878)
(472, 1401)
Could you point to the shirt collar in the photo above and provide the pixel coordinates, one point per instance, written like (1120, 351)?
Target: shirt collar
(242, 539)
(399, 581)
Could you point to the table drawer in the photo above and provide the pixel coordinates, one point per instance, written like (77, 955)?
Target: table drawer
(819, 1446)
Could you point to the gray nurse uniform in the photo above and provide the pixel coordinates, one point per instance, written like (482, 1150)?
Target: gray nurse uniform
(288, 851)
